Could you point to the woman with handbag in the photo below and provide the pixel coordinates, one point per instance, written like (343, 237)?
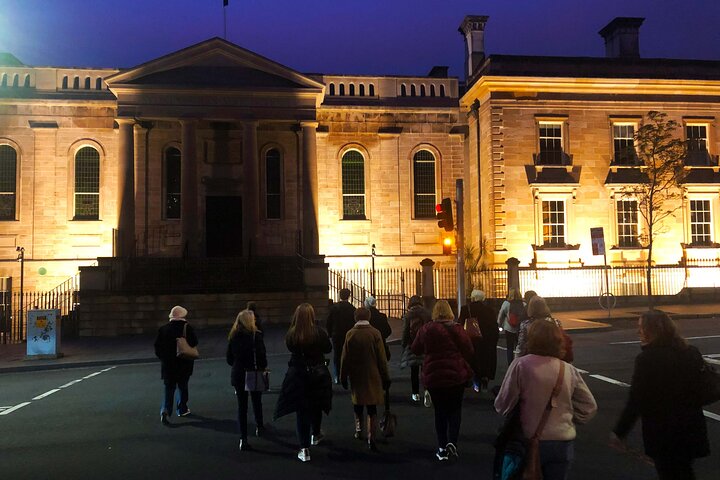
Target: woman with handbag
(175, 370)
(479, 321)
(664, 394)
(307, 386)
(552, 398)
(246, 355)
(445, 372)
(363, 362)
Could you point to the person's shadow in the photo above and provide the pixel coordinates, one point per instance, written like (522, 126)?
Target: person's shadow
(200, 421)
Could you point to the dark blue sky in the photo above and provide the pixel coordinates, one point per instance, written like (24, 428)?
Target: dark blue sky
(345, 36)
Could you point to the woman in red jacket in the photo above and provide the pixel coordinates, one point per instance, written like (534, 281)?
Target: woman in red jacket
(445, 372)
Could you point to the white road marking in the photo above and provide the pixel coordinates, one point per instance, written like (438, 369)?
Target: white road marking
(581, 370)
(712, 360)
(712, 355)
(16, 407)
(91, 375)
(610, 380)
(46, 394)
(712, 415)
(70, 383)
(5, 408)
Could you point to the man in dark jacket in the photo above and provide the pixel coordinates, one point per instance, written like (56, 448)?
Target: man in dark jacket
(380, 321)
(339, 321)
(175, 371)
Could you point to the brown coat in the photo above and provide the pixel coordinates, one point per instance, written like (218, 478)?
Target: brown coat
(364, 363)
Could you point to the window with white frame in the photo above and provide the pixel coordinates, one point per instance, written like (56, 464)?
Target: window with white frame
(700, 222)
(424, 184)
(553, 223)
(273, 183)
(87, 184)
(172, 183)
(353, 185)
(8, 182)
(697, 144)
(550, 143)
(624, 144)
(627, 223)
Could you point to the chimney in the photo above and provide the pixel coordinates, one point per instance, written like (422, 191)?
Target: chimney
(473, 29)
(622, 38)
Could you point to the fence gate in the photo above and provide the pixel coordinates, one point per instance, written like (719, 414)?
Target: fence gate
(10, 328)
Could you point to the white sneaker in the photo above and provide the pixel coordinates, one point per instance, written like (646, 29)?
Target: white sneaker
(316, 439)
(427, 400)
(416, 397)
(304, 455)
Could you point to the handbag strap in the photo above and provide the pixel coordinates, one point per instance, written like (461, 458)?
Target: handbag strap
(548, 407)
(185, 330)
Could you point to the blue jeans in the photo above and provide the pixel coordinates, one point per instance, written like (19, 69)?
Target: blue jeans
(556, 456)
(170, 385)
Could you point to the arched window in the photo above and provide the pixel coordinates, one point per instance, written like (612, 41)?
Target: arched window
(422, 91)
(8, 182)
(173, 185)
(442, 90)
(87, 184)
(353, 185)
(403, 90)
(432, 90)
(16, 80)
(3, 83)
(76, 83)
(352, 89)
(362, 89)
(26, 83)
(98, 83)
(371, 89)
(65, 82)
(424, 183)
(332, 89)
(273, 183)
(87, 83)
(342, 89)
(413, 90)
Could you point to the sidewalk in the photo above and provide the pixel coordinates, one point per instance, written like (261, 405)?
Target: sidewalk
(98, 351)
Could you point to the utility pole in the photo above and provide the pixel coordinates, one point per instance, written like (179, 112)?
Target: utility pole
(460, 244)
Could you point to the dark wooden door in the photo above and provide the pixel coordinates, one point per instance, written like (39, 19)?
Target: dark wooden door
(223, 226)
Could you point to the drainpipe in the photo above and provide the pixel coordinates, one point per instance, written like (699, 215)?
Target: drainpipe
(475, 112)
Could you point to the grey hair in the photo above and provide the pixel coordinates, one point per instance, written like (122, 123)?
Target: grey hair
(477, 296)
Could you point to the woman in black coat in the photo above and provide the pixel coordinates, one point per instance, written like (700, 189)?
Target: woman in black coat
(664, 395)
(307, 386)
(174, 371)
(246, 351)
(485, 357)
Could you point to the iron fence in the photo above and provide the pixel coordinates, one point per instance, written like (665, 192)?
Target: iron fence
(392, 287)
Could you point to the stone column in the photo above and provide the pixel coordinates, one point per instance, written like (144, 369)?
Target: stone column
(126, 188)
(310, 237)
(428, 284)
(190, 233)
(251, 185)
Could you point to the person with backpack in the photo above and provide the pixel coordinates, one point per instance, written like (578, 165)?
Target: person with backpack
(509, 318)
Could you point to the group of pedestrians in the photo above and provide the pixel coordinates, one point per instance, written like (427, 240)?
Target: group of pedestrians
(542, 393)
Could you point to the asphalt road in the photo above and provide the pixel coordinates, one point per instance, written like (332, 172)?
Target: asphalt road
(103, 422)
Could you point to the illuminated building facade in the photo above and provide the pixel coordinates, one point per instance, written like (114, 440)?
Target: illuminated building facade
(216, 151)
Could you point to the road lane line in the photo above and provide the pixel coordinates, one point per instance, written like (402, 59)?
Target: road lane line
(712, 355)
(71, 383)
(46, 394)
(712, 415)
(712, 360)
(107, 369)
(16, 407)
(91, 375)
(581, 370)
(610, 380)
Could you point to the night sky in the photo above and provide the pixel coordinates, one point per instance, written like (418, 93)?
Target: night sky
(403, 37)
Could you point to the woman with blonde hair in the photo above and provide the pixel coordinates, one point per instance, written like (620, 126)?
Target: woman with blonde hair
(307, 387)
(509, 318)
(531, 383)
(246, 351)
(447, 351)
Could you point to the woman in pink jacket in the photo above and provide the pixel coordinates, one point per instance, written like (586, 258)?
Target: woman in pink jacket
(530, 381)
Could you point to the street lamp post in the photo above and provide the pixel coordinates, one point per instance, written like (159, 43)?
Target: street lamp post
(21, 259)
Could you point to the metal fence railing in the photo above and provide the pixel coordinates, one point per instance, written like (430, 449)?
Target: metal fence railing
(392, 287)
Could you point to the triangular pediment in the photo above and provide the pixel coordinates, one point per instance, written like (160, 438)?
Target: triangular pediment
(214, 63)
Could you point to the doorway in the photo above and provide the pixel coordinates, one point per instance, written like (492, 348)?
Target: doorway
(223, 226)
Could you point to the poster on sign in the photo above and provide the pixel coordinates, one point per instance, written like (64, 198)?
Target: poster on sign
(43, 334)
(597, 239)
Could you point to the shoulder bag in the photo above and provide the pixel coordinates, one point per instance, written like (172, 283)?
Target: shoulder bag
(532, 470)
(709, 384)
(183, 348)
(256, 380)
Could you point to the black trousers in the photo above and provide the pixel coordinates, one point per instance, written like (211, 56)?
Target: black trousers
(242, 399)
(415, 378)
(448, 413)
(308, 420)
(674, 468)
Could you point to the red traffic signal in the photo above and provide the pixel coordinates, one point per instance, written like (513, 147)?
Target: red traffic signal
(444, 215)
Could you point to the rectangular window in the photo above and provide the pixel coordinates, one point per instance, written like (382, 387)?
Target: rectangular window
(551, 150)
(697, 142)
(172, 183)
(272, 184)
(624, 144)
(700, 222)
(553, 223)
(627, 223)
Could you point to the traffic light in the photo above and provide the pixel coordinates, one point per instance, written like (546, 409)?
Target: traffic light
(447, 245)
(444, 215)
